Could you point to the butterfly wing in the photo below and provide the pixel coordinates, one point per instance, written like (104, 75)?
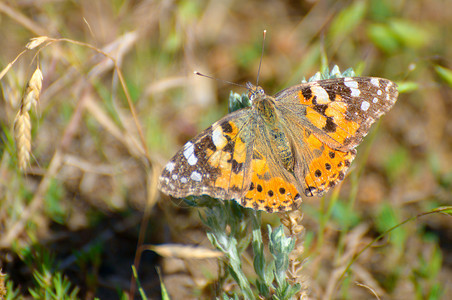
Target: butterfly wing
(232, 160)
(332, 117)
(341, 109)
(214, 163)
(272, 188)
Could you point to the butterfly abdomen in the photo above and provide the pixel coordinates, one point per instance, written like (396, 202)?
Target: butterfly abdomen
(278, 138)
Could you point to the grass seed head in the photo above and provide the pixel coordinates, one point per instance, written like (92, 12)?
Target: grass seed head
(35, 42)
(22, 136)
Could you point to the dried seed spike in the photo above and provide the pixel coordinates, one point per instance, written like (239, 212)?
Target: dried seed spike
(22, 123)
(35, 82)
(32, 91)
(28, 100)
(36, 41)
(22, 136)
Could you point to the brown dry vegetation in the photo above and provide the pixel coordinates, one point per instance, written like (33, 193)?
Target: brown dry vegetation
(88, 193)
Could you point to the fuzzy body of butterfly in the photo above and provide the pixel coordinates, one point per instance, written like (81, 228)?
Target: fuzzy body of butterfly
(297, 143)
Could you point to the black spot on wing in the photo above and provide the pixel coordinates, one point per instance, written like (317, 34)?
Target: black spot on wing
(320, 108)
(330, 126)
(230, 146)
(207, 143)
(226, 127)
(236, 166)
(307, 93)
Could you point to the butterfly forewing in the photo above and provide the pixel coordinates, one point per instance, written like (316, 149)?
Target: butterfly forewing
(340, 111)
(214, 163)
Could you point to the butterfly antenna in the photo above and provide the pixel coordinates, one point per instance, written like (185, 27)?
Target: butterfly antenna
(220, 80)
(262, 55)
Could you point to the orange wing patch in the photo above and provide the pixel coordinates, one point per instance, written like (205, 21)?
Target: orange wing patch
(330, 116)
(229, 157)
(267, 192)
(327, 167)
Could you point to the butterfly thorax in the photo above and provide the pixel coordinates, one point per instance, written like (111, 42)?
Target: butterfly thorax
(266, 108)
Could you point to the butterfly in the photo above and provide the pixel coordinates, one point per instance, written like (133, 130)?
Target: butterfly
(299, 142)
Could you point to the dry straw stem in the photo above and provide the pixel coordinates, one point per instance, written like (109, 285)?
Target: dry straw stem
(369, 288)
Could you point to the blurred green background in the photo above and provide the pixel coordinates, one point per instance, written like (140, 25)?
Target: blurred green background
(92, 181)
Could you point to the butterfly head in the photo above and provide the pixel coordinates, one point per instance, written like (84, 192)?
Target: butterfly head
(254, 92)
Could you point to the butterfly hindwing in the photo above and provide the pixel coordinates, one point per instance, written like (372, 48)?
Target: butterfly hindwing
(320, 167)
(272, 188)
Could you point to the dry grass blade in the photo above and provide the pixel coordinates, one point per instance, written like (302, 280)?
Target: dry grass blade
(184, 251)
(369, 288)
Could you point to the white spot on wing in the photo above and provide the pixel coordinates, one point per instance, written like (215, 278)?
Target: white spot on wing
(196, 176)
(174, 176)
(189, 153)
(218, 138)
(375, 82)
(375, 100)
(379, 92)
(365, 105)
(321, 94)
(183, 180)
(170, 166)
(353, 85)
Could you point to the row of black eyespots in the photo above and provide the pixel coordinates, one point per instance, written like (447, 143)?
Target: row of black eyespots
(269, 209)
